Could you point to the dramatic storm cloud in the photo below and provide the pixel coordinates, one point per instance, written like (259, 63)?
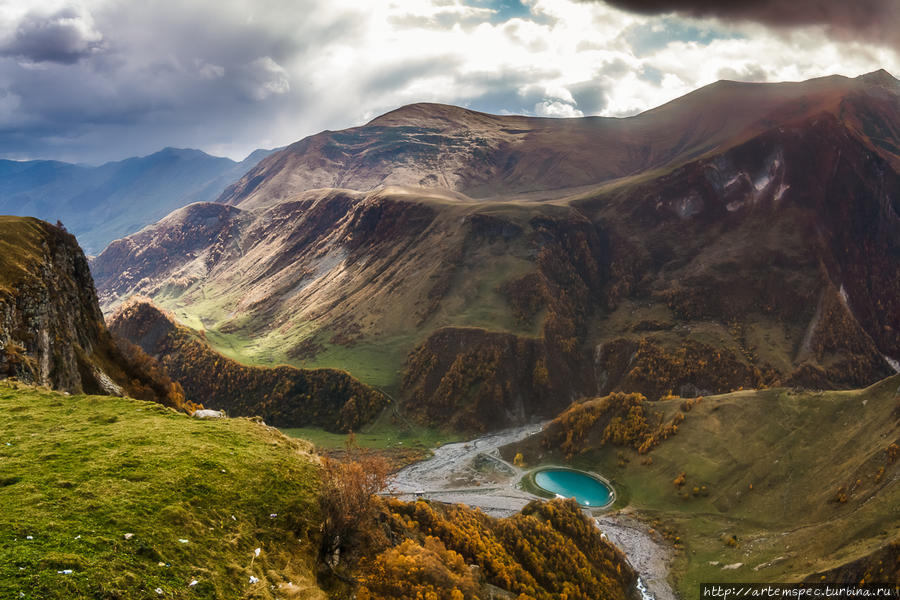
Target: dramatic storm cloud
(853, 19)
(94, 80)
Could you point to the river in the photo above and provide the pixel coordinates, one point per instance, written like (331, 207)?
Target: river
(475, 474)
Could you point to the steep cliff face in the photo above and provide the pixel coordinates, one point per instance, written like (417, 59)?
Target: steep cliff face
(51, 329)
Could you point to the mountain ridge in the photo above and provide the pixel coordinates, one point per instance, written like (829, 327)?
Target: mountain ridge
(105, 202)
(764, 252)
(486, 155)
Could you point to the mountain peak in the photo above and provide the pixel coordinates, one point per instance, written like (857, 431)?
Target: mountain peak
(171, 151)
(879, 77)
(430, 114)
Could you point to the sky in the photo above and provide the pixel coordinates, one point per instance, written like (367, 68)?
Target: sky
(95, 80)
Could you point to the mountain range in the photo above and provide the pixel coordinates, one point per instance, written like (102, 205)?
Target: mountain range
(103, 203)
(703, 300)
(491, 269)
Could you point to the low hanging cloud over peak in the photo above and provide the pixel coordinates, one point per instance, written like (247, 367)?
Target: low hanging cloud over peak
(63, 35)
(851, 19)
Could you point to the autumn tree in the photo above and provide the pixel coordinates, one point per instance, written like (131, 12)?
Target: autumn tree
(346, 498)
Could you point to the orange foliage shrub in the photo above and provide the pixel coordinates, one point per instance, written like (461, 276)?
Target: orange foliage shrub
(148, 380)
(619, 419)
(413, 571)
(548, 551)
(347, 501)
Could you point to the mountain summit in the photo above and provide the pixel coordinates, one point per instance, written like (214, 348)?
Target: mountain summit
(490, 269)
(482, 155)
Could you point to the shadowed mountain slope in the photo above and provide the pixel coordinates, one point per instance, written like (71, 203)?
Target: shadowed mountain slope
(744, 235)
(283, 396)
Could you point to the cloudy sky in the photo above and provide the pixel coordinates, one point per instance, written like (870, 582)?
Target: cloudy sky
(96, 80)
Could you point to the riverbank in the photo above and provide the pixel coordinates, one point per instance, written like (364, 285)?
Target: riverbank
(650, 558)
(475, 474)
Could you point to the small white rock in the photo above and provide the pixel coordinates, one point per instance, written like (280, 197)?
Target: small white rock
(158, 591)
(257, 551)
(128, 536)
(273, 515)
(253, 579)
(29, 537)
(193, 583)
(182, 541)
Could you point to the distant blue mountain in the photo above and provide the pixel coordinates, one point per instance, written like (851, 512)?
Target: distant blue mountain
(104, 203)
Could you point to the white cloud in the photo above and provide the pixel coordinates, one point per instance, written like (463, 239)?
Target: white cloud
(208, 70)
(555, 108)
(264, 77)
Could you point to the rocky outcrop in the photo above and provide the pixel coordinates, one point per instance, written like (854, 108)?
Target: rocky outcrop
(52, 332)
(50, 321)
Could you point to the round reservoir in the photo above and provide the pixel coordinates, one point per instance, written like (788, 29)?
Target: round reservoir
(587, 490)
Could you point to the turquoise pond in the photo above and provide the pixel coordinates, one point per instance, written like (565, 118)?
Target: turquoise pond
(586, 490)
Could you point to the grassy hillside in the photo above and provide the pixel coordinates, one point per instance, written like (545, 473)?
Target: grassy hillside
(116, 498)
(786, 483)
(80, 473)
(20, 247)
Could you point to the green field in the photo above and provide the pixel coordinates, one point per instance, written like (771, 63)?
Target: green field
(766, 468)
(104, 497)
(377, 437)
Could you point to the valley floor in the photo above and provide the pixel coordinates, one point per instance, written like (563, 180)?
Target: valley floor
(475, 474)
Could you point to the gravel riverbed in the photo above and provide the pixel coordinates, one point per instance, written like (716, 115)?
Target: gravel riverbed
(474, 473)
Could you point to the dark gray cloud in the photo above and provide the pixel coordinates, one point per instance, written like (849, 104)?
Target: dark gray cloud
(393, 76)
(869, 19)
(63, 36)
(122, 78)
(590, 97)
